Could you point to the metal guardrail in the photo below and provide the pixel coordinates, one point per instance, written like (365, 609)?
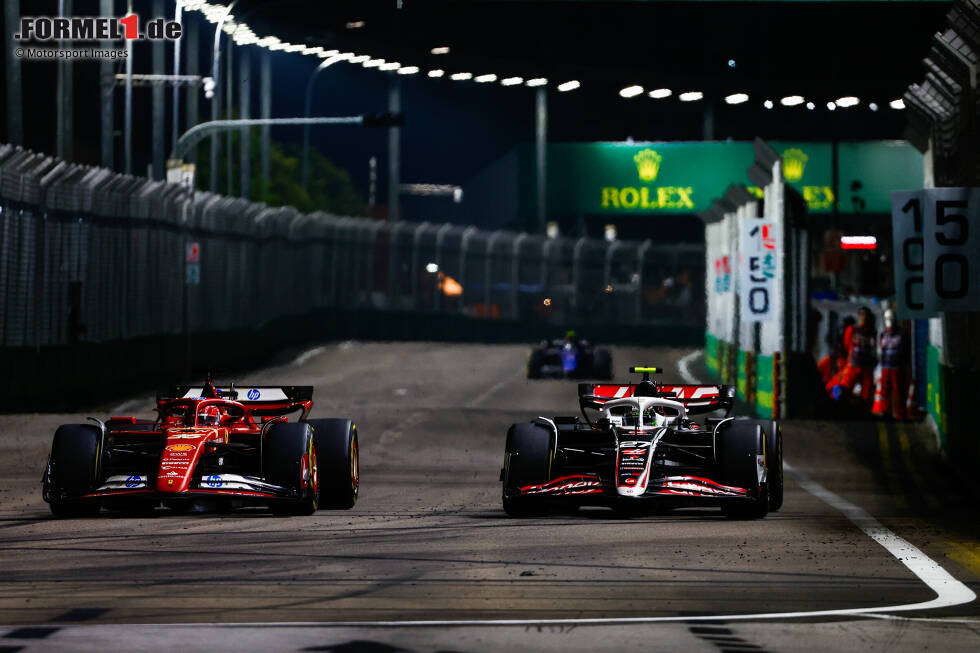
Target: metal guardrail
(88, 254)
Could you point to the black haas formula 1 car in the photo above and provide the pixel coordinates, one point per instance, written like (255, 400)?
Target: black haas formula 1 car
(642, 451)
(209, 446)
(569, 358)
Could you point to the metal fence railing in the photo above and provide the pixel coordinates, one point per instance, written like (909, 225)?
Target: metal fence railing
(87, 254)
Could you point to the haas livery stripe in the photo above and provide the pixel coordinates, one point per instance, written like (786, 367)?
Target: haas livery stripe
(694, 486)
(567, 485)
(686, 394)
(633, 468)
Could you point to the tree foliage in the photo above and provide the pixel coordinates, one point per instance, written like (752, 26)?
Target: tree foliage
(330, 189)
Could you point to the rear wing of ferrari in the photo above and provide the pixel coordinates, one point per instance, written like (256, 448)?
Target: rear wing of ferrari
(696, 398)
(262, 401)
(253, 394)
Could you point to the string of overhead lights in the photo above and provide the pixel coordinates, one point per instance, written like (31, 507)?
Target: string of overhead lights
(242, 34)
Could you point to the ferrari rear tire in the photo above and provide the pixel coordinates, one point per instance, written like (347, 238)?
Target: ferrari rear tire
(290, 461)
(338, 456)
(75, 468)
(527, 461)
(740, 446)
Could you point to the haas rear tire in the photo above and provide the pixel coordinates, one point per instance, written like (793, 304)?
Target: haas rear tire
(602, 364)
(336, 444)
(290, 461)
(740, 446)
(774, 465)
(74, 470)
(527, 461)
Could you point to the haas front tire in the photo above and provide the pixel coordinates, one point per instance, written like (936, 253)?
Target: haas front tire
(74, 470)
(774, 465)
(527, 461)
(740, 447)
(290, 461)
(336, 443)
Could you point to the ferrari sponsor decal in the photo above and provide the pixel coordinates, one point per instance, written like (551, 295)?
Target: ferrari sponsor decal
(186, 436)
(180, 447)
(230, 482)
(251, 394)
(567, 485)
(131, 482)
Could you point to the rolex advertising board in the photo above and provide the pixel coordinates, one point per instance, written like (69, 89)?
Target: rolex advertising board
(656, 178)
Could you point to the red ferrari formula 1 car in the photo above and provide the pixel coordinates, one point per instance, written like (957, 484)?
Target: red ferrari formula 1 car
(640, 450)
(223, 447)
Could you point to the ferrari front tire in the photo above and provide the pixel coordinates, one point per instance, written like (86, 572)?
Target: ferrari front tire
(290, 461)
(339, 460)
(74, 470)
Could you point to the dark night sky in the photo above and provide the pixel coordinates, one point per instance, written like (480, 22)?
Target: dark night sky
(454, 129)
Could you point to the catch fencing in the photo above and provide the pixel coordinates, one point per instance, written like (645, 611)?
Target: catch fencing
(93, 256)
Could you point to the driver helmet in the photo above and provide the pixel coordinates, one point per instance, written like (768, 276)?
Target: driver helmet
(209, 416)
(654, 416)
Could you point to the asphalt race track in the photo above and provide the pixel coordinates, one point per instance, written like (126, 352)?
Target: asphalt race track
(429, 542)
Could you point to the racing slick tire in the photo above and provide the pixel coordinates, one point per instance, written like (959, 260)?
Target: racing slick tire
(739, 445)
(290, 461)
(534, 363)
(774, 464)
(75, 466)
(602, 365)
(338, 458)
(527, 462)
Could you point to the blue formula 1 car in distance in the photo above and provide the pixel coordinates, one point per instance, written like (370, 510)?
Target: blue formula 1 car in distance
(569, 358)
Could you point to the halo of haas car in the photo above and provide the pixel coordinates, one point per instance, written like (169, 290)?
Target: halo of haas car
(641, 451)
(208, 445)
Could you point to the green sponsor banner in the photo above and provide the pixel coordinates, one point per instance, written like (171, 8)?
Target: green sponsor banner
(685, 177)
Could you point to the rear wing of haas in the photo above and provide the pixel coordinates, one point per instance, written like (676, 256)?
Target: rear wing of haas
(696, 398)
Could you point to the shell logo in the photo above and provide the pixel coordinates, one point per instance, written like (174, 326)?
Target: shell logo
(180, 447)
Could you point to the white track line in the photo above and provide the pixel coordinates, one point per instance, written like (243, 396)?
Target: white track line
(127, 407)
(479, 399)
(307, 355)
(685, 371)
